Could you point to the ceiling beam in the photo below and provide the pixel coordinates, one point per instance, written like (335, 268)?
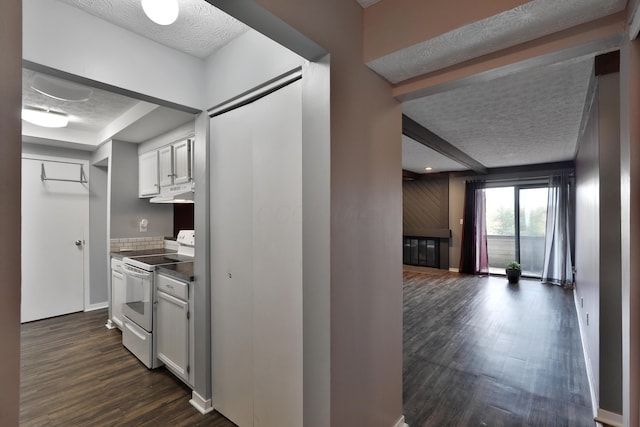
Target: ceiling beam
(424, 136)
(589, 39)
(409, 176)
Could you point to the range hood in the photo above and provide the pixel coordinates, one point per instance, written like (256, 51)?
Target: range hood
(181, 193)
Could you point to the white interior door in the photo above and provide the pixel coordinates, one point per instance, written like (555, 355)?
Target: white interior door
(54, 218)
(256, 214)
(232, 266)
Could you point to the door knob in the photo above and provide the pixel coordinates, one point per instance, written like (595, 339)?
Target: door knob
(78, 242)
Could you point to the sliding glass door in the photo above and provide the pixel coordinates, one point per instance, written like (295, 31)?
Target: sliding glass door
(532, 220)
(516, 220)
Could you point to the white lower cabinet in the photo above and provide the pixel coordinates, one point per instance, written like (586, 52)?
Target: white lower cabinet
(117, 292)
(173, 326)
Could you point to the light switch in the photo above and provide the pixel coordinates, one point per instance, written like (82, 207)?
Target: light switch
(143, 225)
(461, 221)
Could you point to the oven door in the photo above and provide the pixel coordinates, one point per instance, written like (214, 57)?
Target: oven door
(138, 296)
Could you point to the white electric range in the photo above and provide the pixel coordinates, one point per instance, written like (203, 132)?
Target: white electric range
(139, 288)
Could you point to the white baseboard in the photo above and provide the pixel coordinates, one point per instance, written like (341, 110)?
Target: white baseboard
(401, 423)
(583, 341)
(609, 418)
(204, 406)
(98, 306)
(455, 270)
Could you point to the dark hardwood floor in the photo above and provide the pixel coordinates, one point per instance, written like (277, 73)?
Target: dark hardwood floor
(75, 372)
(478, 352)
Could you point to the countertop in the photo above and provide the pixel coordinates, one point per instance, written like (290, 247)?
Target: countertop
(181, 271)
(158, 251)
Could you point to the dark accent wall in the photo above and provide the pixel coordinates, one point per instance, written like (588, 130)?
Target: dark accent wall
(425, 212)
(598, 243)
(425, 205)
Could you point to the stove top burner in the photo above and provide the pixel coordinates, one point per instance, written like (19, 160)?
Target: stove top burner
(153, 260)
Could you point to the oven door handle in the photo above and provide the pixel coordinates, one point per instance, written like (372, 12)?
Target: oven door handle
(134, 332)
(135, 273)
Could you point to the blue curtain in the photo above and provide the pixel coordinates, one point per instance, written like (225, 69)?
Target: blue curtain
(558, 263)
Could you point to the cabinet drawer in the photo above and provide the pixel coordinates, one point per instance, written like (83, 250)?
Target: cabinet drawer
(116, 264)
(173, 287)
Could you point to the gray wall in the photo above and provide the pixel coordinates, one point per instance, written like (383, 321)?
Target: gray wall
(98, 220)
(10, 101)
(610, 267)
(598, 265)
(587, 261)
(126, 208)
(630, 219)
(366, 214)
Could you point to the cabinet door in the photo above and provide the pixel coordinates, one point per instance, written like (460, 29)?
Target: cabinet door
(166, 166)
(182, 161)
(172, 334)
(148, 174)
(117, 297)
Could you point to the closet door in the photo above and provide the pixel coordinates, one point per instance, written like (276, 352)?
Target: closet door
(256, 258)
(232, 265)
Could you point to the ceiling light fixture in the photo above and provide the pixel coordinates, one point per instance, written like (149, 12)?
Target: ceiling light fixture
(162, 12)
(45, 118)
(59, 89)
(428, 168)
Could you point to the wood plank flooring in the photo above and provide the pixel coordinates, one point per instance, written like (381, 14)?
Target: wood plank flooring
(478, 352)
(75, 372)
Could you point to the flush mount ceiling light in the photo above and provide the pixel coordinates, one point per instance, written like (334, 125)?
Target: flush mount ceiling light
(162, 12)
(45, 118)
(59, 89)
(428, 168)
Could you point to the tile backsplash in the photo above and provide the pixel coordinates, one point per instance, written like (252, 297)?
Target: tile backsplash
(137, 243)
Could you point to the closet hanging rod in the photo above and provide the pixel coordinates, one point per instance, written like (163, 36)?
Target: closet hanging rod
(81, 180)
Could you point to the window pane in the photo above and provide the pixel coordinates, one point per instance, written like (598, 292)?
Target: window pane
(501, 244)
(533, 219)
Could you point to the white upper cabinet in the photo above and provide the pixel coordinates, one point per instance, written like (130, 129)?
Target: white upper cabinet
(148, 184)
(182, 161)
(165, 166)
(165, 156)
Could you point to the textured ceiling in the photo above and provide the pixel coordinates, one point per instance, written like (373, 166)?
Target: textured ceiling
(93, 115)
(526, 22)
(199, 30)
(416, 157)
(526, 118)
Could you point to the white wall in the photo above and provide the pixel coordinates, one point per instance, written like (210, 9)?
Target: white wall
(244, 63)
(67, 39)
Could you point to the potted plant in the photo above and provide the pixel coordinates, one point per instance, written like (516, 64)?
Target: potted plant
(513, 272)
